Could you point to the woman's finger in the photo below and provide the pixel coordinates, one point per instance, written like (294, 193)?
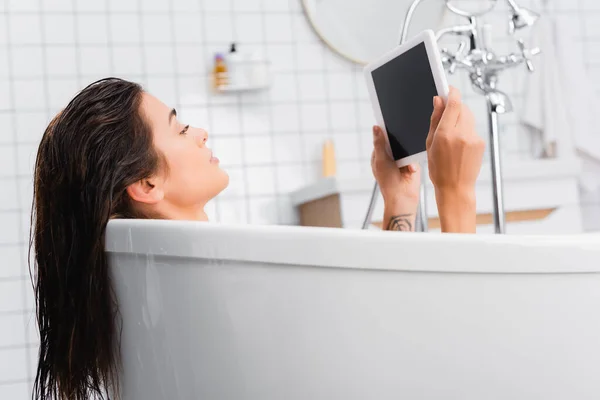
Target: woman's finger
(379, 143)
(451, 112)
(436, 116)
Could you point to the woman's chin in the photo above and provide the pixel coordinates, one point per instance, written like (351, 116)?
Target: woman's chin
(224, 179)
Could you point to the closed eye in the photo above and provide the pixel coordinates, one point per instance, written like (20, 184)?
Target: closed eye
(184, 131)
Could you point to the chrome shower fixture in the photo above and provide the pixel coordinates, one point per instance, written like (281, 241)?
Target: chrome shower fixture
(470, 13)
(483, 66)
(499, 101)
(521, 17)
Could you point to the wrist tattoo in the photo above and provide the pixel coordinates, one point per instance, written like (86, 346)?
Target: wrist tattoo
(401, 223)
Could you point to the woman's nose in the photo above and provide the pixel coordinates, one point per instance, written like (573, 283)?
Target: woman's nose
(201, 137)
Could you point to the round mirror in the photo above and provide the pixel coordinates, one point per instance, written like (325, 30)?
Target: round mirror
(364, 30)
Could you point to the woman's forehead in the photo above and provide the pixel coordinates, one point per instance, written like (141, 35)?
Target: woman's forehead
(156, 112)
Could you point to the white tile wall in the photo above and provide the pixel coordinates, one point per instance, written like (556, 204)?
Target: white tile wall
(19, 390)
(269, 142)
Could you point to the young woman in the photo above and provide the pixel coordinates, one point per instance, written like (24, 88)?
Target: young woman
(116, 151)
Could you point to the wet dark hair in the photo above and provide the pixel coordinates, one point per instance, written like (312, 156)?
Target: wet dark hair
(92, 150)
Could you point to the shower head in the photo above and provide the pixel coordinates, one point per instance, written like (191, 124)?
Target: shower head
(521, 17)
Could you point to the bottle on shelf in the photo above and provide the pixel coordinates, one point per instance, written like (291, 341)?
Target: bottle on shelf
(220, 72)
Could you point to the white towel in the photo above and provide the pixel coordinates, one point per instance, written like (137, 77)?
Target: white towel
(543, 111)
(560, 103)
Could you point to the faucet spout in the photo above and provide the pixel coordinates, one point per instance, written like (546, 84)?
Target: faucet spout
(470, 31)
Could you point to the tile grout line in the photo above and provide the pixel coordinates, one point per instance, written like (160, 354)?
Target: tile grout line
(20, 311)
(210, 105)
(271, 134)
(299, 104)
(13, 381)
(589, 38)
(14, 278)
(20, 228)
(142, 43)
(76, 45)
(239, 109)
(207, 78)
(27, 345)
(131, 12)
(222, 12)
(109, 40)
(174, 62)
(355, 75)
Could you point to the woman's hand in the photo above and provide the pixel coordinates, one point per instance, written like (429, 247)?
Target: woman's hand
(455, 154)
(399, 186)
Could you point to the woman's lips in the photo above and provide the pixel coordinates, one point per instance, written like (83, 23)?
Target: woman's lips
(213, 159)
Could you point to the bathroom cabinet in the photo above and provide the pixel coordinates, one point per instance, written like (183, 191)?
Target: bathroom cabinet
(541, 197)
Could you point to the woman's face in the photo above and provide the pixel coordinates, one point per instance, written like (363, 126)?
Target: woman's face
(193, 175)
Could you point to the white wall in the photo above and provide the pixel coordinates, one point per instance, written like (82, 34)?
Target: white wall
(269, 142)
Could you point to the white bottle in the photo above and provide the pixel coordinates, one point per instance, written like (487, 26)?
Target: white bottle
(236, 66)
(258, 72)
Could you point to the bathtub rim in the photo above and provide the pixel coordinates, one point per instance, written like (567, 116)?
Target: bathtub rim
(355, 249)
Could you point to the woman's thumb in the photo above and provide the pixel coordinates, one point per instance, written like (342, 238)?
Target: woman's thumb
(378, 139)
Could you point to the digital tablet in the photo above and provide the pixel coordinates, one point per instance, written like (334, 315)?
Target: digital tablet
(402, 85)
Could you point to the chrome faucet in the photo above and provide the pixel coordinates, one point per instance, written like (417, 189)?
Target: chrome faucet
(521, 17)
(469, 31)
(483, 66)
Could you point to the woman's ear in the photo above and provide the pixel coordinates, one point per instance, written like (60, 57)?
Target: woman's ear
(148, 191)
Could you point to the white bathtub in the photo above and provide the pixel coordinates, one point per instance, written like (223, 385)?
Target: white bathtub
(223, 312)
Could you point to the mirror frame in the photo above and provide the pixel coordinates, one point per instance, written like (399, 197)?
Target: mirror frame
(324, 40)
(305, 10)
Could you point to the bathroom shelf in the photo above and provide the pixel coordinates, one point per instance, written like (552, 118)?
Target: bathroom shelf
(242, 89)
